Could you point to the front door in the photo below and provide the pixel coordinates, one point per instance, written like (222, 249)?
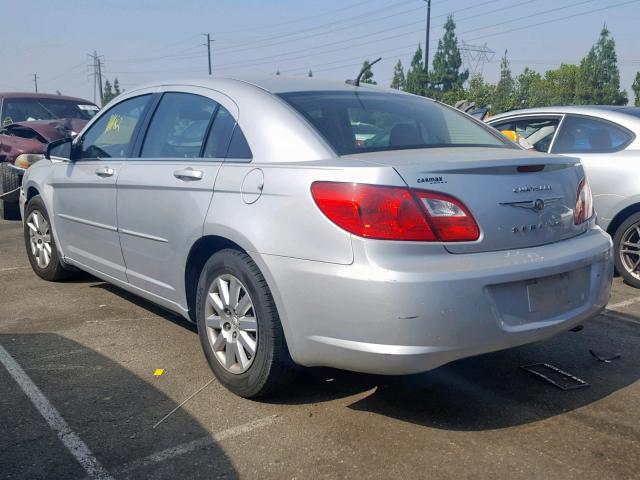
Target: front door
(84, 190)
(165, 191)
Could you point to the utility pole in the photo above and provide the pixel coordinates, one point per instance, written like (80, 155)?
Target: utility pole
(99, 74)
(35, 81)
(96, 64)
(208, 45)
(426, 42)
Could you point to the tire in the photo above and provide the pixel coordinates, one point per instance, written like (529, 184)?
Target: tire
(9, 181)
(627, 235)
(270, 367)
(43, 255)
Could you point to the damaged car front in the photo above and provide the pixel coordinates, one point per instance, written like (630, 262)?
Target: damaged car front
(29, 123)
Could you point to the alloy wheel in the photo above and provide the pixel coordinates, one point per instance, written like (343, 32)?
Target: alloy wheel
(39, 238)
(232, 327)
(630, 250)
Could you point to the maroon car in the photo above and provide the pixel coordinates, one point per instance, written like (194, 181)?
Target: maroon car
(28, 121)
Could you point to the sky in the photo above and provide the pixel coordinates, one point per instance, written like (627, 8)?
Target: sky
(144, 41)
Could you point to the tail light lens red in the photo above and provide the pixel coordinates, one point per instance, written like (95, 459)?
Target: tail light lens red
(395, 213)
(584, 203)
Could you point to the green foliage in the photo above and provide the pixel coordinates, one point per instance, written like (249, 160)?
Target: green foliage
(504, 95)
(398, 82)
(479, 91)
(367, 76)
(110, 91)
(636, 89)
(416, 75)
(310, 74)
(599, 79)
(447, 62)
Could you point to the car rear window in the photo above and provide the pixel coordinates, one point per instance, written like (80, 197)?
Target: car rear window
(27, 109)
(399, 122)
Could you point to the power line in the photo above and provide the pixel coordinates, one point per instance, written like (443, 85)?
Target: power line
(556, 19)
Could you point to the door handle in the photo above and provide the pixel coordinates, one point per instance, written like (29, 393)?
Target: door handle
(188, 174)
(105, 171)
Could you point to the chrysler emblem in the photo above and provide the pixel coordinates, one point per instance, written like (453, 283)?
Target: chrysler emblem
(537, 205)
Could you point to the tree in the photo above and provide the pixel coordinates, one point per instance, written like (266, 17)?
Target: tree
(559, 86)
(599, 80)
(480, 92)
(416, 76)
(116, 87)
(447, 62)
(278, 71)
(310, 74)
(636, 89)
(107, 94)
(503, 98)
(398, 82)
(367, 76)
(528, 91)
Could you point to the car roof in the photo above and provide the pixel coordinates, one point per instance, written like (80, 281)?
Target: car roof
(595, 110)
(274, 84)
(43, 96)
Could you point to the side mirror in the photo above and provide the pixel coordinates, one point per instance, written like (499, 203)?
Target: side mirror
(59, 150)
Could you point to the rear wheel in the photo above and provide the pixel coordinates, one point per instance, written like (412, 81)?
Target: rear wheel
(41, 246)
(239, 327)
(627, 250)
(9, 182)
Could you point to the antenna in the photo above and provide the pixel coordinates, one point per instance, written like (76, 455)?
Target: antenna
(356, 82)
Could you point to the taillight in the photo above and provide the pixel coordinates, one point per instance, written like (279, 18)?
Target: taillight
(584, 203)
(395, 213)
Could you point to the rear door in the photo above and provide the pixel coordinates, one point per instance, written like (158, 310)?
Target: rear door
(165, 191)
(600, 146)
(84, 190)
(539, 131)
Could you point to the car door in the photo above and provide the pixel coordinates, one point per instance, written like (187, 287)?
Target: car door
(84, 189)
(164, 193)
(600, 146)
(538, 131)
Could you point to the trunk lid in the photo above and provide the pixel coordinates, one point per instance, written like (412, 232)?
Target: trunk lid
(514, 207)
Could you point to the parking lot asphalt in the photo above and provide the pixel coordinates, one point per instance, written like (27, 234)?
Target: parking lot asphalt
(79, 399)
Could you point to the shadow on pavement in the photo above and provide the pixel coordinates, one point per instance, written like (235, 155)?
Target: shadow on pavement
(111, 409)
(486, 392)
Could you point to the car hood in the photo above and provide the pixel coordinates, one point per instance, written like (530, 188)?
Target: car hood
(51, 130)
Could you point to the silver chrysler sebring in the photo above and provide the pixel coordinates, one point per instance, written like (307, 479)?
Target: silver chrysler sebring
(251, 207)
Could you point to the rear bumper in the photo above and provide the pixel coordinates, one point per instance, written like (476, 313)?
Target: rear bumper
(398, 314)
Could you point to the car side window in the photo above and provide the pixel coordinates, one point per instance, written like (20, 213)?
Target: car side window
(238, 147)
(178, 126)
(537, 132)
(226, 139)
(220, 134)
(590, 135)
(111, 134)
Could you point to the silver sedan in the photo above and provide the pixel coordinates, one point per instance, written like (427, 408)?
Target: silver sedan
(607, 141)
(252, 208)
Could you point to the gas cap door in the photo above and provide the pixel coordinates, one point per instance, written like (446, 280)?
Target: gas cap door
(252, 186)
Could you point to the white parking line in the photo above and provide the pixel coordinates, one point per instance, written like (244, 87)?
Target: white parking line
(70, 439)
(193, 445)
(8, 269)
(623, 304)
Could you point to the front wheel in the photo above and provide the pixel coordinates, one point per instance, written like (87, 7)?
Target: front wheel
(41, 246)
(239, 326)
(626, 242)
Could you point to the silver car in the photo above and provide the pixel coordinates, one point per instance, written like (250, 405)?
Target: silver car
(607, 141)
(250, 208)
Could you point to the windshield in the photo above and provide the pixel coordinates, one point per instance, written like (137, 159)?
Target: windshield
(395, 122)
(27, 109)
